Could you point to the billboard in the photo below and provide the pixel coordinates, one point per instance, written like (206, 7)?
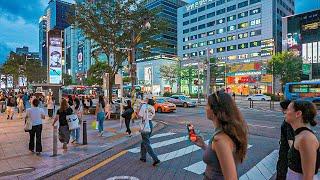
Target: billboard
(294, 43)
(148, 75)
(22, 81)
(55, 62)
(80, 58)
(3, 81)
(9, 82)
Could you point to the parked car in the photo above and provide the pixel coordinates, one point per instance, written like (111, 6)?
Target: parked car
(182, 100)
(161, 105)
(259, 97)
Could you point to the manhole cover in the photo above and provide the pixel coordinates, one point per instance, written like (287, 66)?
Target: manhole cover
(17, 171)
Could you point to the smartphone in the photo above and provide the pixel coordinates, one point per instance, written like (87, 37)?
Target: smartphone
(192, 134)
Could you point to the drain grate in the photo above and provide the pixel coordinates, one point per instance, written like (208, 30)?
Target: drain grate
(18, 171)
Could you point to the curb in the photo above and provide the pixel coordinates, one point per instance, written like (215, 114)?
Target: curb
(114, 150)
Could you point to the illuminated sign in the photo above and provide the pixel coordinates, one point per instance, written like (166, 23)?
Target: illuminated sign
(311, 26)
(55, 60)
(198, 4)
(267, 46)
(311, 52)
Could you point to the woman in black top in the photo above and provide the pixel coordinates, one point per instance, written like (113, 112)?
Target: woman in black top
(128, 110)
(303, 155)
(62, 113)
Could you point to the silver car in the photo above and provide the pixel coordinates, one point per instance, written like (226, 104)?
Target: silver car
(182, 100)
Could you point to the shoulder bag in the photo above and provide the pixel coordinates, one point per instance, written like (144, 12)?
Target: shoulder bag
(27, 124)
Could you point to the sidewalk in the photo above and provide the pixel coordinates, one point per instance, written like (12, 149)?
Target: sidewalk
(16, 162)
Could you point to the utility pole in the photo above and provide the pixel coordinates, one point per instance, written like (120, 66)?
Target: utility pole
(199, 82)
(208, 75)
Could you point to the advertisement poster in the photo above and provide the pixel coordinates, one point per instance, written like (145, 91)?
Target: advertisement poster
(9, 82)
(55, 62)
(294, 43)
(3, 82)
(80, 58)
(22, 81)
(148, 75)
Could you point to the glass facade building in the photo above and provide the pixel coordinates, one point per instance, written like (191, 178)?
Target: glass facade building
(301, 35)
(43, 40)
(241, 35)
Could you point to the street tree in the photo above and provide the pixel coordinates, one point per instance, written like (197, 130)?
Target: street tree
(170, 73)
(116, 28)
(96, 72)
(67, 79)
(216, 70)
(286, 66)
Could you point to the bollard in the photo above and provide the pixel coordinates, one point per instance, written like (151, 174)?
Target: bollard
(270, 105)
(84, 133)
(55, 141)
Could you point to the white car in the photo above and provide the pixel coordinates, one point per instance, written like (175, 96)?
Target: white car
(258, 97)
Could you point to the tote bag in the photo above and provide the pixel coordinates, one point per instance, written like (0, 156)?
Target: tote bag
(145, 124)
(27, 124)
(73, 121)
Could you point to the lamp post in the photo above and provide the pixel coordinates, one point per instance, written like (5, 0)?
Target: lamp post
(208, 75)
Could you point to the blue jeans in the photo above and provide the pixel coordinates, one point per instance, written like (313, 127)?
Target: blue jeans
(146, 147)
(100, 119)
(75, 134)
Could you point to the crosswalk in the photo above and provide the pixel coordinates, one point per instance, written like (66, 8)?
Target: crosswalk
(263, 170)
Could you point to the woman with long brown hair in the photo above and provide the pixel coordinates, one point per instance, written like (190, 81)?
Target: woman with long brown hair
(228, 146)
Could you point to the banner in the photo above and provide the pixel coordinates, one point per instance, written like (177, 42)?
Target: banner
(80, 58)
(9, 82)
(22, 81)
(3, 81)
(55, 62)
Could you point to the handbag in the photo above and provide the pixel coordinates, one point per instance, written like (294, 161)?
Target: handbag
(27, 124)
(73, 121)
(145, 124)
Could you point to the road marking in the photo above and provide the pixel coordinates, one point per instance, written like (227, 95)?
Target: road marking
(162, 135)
(255, 125)
(264, 170)
(123, 177)
(97, 166)
(178, 153)
(200, 167)
(162, 143)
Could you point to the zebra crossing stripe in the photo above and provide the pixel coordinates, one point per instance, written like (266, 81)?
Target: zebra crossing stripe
(178, 153)
(162, 143)
(200, 167)
(162, 135)
(264, 170)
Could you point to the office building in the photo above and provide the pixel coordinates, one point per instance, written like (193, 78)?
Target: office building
(241, 35)
(22, 51)
(301, 35)
(43, 40)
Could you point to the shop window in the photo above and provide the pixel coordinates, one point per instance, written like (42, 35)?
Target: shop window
(243, 46)
(231, 18)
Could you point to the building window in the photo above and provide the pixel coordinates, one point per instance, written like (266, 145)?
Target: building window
(231, 28)
(202, 53)
(202, 26)
(211, 14)
(185, 23)
(209, 24)
(185, 55)
(185, 47)
(243, 25)
(255, 43)
(255, 33)
(220, 2)
(243, 46)
(231, 48)
(202, 9)
(210, 42)
(202, 35)
(255, 11)
(242, 35)
(221, 11)
(220, 21)
(202, 44)
(200, 18)
(185, 31)
(210, 33)
(231, 18)
(243, 14)
(221, 30)
(194, 37)
(221, 49)
(193, 20)
(195, 45)
(209, 6)
(231, 8)
(193, 12)
(185, 39)
(255, 22)
(254, 1)
(256, 54)
(194, 29)
(186, 14)
(231, 38)
(194, 54)
(243, 4)
(220, 40)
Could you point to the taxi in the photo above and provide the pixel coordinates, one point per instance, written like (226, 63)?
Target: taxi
(161, 105)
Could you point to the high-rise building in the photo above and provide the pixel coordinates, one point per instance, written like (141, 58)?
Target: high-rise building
(301, 35)
(22, 51)
(43, 40)
(241, 35)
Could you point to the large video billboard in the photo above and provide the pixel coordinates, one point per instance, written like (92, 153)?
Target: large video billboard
(80, 58)
(55, 62)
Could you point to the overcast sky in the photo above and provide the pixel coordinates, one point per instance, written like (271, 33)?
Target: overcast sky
(19, 22)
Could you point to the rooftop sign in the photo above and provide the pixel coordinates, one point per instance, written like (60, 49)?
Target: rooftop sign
(198, 4)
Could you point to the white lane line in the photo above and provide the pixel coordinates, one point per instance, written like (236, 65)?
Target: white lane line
(264, 170)
(162, 135)
(162, 143)
(256, 125)
(200, 167)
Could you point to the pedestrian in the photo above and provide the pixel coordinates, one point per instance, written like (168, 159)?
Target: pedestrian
(70, 102)
(286, 140)
(127, 114)
(304, 154)
(50, 105)
(25, 100)
(11, 104)
(100, 114)
(234, 96)
(75, 133)
(108, 110)
(62, 113)
(20, 106)
(84, 105)
(147, 112)
(228, 145)
(36, 115)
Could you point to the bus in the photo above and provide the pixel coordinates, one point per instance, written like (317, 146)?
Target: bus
(303, 89)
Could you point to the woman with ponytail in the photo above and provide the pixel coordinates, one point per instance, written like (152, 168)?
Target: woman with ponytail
(228, 146)
(303, 155)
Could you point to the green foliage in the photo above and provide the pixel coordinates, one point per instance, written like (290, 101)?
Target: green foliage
(67, 79)
(286, 66)
(167, 94)
(96, 72)
(126, 79)
(170, 73)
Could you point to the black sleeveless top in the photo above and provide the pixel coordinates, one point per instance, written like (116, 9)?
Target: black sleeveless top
(294, 158)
